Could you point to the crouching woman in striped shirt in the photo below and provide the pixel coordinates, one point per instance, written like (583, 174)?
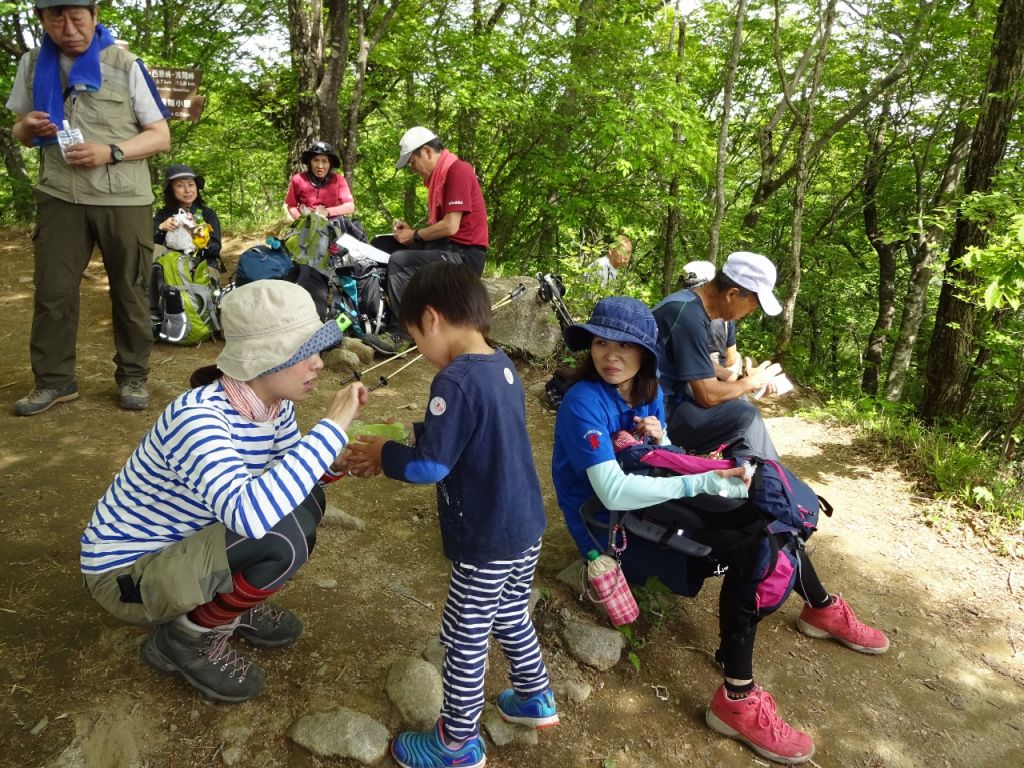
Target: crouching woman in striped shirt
(219, 505)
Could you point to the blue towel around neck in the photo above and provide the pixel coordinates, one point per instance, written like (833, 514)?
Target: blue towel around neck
(47, 89)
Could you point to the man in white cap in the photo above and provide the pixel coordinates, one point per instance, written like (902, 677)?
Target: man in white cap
(456, 228)
(704, 412)
(94, 112)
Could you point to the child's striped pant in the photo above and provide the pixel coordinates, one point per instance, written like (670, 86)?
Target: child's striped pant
(485, 599)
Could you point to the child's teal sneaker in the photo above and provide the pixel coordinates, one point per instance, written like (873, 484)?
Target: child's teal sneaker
(428, 750)
(537, 710)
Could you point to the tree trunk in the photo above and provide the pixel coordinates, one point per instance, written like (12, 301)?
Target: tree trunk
(886, 252)
(769, 183)
(305, 32)
(23, 201)
(802, 165)
(674, 217)
(947, 387)
(925, 252)
(723, 130)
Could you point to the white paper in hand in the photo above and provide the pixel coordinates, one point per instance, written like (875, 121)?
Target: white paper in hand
(361, 250)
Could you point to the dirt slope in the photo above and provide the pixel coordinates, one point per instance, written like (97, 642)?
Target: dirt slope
(950, 692)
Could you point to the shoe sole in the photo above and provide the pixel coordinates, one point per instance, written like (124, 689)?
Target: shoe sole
(156, 659)
(258, 641)
(538, 723)
(48, 406)
(821, 634)
(134, 406)
(391, 751)
(721, 727)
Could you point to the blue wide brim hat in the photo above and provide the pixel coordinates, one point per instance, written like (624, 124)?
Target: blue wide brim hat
(619, 318)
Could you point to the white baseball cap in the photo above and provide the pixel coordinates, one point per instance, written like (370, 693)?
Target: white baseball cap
(757, 274)
(412, 140)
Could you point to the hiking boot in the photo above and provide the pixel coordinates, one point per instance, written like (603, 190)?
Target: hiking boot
(754, 721)
(536, 710)
(206, 660)
(134, 395)
(41, 398)
(428, 750)
(387, 342)
(268, 626)
(838, 622)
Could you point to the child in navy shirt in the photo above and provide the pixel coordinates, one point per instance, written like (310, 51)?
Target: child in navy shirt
(473, 444)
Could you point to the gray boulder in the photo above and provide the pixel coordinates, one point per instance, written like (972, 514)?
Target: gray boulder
(526, 325)
(594, 646)
(414, 687)
(341, 733)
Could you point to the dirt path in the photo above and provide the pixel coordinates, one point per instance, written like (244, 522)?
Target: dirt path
(949, 693)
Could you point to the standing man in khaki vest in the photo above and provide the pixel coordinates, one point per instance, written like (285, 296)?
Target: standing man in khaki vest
(94, 188)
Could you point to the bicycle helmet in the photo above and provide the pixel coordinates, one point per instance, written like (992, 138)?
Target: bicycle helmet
(321, 148)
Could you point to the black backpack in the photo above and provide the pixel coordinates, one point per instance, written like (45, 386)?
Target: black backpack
(361, 293)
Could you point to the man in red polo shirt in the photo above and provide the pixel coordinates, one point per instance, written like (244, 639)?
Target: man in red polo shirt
(456, 228)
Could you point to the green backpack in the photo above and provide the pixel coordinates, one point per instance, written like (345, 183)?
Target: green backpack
(309, 239)
(183, 300)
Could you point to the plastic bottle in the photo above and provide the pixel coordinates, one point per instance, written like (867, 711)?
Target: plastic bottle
(613, 591)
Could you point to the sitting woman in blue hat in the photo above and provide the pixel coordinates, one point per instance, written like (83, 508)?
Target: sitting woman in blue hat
(184, 209)
(219, 505)
(616, 388)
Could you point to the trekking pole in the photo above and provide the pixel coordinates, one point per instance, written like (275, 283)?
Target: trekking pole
(512, 295)
(383, 381)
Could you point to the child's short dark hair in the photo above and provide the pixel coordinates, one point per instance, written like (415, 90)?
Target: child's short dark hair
(453, 290)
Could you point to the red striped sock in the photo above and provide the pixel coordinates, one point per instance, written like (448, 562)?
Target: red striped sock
(227, 606)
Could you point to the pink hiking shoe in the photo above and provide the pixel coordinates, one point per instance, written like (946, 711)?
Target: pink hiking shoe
(756, 723)
(837, 621)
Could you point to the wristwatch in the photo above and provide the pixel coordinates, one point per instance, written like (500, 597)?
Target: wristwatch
(116, 154)
(416, 237)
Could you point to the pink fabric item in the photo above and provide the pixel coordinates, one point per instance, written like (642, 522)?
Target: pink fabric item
(684, 464)
(680, 463)
(246, 402)
(435, 185)
(774, 588)
(616, 597)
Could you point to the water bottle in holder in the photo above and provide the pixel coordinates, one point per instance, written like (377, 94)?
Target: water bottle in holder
(606, 577)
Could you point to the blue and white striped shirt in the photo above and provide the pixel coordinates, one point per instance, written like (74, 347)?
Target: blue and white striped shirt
(203, 463)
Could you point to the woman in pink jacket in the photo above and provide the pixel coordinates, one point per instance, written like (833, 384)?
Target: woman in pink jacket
(319, 188)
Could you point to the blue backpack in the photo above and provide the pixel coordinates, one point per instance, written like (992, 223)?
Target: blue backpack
(793, 508)
(262, 262)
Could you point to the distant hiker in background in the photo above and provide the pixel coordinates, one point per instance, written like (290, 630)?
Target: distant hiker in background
(183, 190)
(456, 229)
(605, 270)
(94, 112)
(219, 505)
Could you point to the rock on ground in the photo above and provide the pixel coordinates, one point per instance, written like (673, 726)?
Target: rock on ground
(341, 733)
(594, 646)
(414, 687)
(526, 324)
(502, 733)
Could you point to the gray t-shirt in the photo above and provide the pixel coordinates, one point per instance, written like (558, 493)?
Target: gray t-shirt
(146, 107)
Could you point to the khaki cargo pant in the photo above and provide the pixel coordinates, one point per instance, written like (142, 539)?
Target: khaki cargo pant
(64, 239)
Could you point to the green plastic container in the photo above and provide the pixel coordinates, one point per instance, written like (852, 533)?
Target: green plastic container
(395, 431)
